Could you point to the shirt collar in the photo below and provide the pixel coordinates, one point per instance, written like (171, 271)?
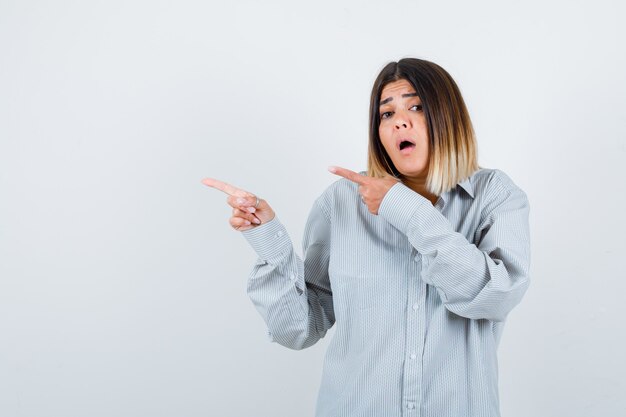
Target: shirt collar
(466, 185)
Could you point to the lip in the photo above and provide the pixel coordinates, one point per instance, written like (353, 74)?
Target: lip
(400, 140)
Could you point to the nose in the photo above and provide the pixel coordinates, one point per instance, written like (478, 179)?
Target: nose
(401, 122)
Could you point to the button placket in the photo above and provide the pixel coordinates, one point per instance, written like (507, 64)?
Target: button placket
(421, 336)
(412, 366)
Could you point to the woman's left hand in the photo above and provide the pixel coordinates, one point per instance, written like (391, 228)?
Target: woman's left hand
(372, 190)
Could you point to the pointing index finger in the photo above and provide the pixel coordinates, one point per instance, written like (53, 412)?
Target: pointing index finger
(350, 175)
(225, 187)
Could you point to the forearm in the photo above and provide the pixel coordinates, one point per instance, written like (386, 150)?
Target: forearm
(293, 311)
(478, 282)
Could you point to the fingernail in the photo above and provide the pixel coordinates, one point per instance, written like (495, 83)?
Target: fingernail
(247, 223)
(251, 209)
(332, 169)
(257, 221)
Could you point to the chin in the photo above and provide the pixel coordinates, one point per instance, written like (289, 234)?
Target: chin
(412, 172)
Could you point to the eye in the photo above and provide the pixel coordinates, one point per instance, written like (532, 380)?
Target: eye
(416, 107)
(385, 115)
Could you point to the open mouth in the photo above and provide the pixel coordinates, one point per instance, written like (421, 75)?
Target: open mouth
(406, 144)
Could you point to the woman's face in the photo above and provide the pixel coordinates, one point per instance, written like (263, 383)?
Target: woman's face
(402, 129)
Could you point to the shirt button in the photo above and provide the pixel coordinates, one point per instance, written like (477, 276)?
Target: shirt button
(413, 356)
(292, 277)
(416, 306)
(410, 406)
(279, 234)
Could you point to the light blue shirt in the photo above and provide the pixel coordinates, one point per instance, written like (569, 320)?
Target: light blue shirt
(418, 295)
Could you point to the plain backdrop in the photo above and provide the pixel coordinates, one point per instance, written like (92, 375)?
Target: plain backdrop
(122, 286)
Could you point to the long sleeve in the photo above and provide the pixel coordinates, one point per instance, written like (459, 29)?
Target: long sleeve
(478, 281)
(293, 296)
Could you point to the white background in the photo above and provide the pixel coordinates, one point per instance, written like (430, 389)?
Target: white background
(122, 287)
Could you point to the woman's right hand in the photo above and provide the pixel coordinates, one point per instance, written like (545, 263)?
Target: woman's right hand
(249, 211)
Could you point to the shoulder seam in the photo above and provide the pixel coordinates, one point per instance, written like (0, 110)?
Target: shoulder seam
(320, 203)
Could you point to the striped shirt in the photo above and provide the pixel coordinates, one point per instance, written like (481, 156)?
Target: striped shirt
(418, 293)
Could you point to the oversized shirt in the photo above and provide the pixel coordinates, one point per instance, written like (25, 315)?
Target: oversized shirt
(418, 294)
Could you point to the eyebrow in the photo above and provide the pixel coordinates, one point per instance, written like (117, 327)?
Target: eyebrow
(388, 99)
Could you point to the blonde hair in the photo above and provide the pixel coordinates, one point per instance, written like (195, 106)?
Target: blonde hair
(453, 151)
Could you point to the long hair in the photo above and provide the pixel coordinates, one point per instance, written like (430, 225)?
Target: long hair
(453, 152)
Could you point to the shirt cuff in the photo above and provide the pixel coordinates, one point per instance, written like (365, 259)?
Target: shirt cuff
(270, 240)
(399, 205)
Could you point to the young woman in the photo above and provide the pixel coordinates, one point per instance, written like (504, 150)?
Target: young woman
(417, 262)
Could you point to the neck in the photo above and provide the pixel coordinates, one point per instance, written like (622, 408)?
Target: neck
(419, 186)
